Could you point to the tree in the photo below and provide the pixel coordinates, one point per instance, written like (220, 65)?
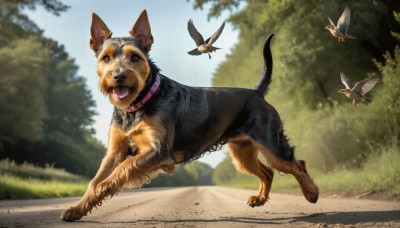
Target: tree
(225, 171)
(14, 24)
(22, 90)
(201, 172)
(46, 109)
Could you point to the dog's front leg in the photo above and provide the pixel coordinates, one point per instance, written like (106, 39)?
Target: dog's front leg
(150, 139)
(134, 172)
(116, 153)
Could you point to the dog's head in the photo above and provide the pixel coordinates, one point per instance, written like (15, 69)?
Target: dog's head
(123, 64)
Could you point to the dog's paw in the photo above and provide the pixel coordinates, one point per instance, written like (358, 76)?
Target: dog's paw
(72, 214)
(255, 201)
(312, 197)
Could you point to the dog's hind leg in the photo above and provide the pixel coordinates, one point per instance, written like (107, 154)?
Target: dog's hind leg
(244, 154)
(292, 166)
(267, 134)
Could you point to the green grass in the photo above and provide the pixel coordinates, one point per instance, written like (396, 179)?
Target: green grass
(27, 170)
(13, 187)
(27, 181)
(379, 174)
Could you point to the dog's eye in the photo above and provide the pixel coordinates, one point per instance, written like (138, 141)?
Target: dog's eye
(135, 58)
(106, 58)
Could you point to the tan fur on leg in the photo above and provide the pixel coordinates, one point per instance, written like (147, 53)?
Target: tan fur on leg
(244, 155)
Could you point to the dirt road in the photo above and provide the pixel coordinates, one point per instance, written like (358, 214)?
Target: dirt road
(204, 207)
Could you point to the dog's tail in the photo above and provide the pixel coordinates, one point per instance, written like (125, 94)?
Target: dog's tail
(263, 84)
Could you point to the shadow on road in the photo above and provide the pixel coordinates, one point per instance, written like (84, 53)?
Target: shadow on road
(349, 218)
(329, 218)
(238, 220)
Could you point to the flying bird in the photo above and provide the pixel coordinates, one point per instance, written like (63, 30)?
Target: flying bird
(203, 46)
(340, 30)
(360, 89)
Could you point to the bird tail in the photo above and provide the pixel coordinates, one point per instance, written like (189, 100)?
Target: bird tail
(350, 36)
(194, 52)
(265, 80)
(215, 48)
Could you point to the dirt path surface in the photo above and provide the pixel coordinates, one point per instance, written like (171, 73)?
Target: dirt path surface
(204, 207)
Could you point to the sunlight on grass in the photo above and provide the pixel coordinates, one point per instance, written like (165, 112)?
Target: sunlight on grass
(13, 187)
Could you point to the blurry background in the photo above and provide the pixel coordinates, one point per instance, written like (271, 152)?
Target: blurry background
(52, 114)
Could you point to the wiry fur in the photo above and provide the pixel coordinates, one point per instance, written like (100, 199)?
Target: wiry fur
(180, 123)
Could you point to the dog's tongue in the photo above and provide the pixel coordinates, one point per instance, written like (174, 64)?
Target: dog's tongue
(121, 92)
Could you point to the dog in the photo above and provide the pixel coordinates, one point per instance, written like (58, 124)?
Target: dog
(158, 122)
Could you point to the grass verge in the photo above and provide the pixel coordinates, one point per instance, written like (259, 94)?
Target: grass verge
(27, 182)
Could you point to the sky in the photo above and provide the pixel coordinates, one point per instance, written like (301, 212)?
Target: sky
(168, 21)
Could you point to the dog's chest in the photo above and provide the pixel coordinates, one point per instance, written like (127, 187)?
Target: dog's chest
(125, 120)
(143, 132)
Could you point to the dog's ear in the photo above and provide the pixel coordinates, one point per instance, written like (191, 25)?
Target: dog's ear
(99, 33)
(141, 30)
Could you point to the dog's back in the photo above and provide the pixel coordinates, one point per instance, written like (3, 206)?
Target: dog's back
(208, 117)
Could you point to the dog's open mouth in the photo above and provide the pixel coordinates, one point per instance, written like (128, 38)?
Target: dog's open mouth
(121, 92)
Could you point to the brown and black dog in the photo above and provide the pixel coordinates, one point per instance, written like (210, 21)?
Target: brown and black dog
(158, 123)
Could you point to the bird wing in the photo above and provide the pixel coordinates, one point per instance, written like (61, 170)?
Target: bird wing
(345, 80)
(344, 21)
(333, 24)
(215, 36)
(196, 36)
(366, 85)
(194, 52)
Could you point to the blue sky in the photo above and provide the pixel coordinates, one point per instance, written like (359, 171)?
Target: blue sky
(168, 21)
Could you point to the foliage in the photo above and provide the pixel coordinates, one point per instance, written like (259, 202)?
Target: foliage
(397, 17)
(217, 6)
(46, 110)
(224, 171)
(308, 66)
(15, 24)
(22, 96)
(201, 172)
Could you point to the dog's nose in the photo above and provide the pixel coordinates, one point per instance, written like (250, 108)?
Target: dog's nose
(120, 77)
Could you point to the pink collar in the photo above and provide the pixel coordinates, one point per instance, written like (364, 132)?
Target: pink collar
(138, 105)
